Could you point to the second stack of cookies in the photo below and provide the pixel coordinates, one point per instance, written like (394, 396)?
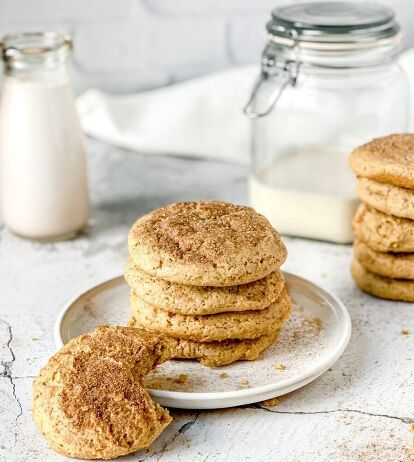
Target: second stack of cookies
(383, 264)
(206, 274)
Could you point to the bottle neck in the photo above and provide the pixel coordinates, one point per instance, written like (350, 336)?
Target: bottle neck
(39, 73)
(35, 55)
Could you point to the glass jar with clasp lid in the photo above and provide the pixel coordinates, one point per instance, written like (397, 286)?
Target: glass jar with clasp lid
(330, 80)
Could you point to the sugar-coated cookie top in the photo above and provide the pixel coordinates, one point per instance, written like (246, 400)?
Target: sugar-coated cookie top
(89, 400)
(206, 243)
(389, 159)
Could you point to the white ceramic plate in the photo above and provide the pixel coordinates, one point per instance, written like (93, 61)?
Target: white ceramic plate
(311, 342)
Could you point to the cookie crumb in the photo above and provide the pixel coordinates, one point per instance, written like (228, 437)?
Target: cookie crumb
(270, 402)
(244, 383)
(182, 378)
(155, 385)
(279, 367)
(318, 322)
(224, 375)
(34, 339)
(405, 331)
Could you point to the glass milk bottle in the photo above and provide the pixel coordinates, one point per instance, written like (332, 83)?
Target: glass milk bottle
(42, 160)
(330, 81)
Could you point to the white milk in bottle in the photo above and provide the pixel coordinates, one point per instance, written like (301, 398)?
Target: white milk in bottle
(42, 161)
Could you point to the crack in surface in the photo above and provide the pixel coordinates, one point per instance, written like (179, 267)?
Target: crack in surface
(184, 428)
(406, 420)
(7, 373)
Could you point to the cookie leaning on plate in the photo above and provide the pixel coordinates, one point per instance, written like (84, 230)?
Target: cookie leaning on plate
(209, 243)
(389, 159)
(392, 200)
(89, 400)
(220, 326)
(384, 233)
(381, 286)
(193, 300)
(219, 353)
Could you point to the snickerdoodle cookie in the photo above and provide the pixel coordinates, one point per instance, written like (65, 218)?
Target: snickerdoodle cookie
(381, 286)
(221, 326)
(207, 243)
(389, 160)
(219, 353)
(384, 233)
(193, 300)
(392, 200)
(89, 400)
(393, 265)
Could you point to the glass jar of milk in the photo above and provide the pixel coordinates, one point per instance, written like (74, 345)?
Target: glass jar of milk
(329, 81)
(42, 162)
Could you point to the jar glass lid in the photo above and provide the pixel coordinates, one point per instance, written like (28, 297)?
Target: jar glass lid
(333, 24)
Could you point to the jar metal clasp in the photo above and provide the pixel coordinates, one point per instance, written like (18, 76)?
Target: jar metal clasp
(286, 70)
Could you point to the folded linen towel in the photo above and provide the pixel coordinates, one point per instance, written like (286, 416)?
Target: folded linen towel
(202, 117)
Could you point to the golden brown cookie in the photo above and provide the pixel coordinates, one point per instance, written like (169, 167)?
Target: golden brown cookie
(209, 243)
(89, 400)
(393, 265)
(221, 326)
(392, 200)
(381, 286)
(389, 160)
(215, 354)
(185, 299)
(384, 233)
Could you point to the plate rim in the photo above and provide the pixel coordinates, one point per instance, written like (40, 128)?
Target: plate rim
(322, 366)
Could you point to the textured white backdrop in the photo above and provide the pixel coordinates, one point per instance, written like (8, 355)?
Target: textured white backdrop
(128, 45)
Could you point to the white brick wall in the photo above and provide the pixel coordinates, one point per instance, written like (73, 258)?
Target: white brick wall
(128, 45)
(20, 11)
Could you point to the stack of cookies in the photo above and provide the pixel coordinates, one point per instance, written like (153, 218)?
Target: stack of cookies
(383, 264)
(206, 275)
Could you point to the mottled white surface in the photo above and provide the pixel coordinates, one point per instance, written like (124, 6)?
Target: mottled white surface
(359, 411)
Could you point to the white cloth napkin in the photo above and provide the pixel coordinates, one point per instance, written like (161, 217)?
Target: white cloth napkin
(202, 117)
